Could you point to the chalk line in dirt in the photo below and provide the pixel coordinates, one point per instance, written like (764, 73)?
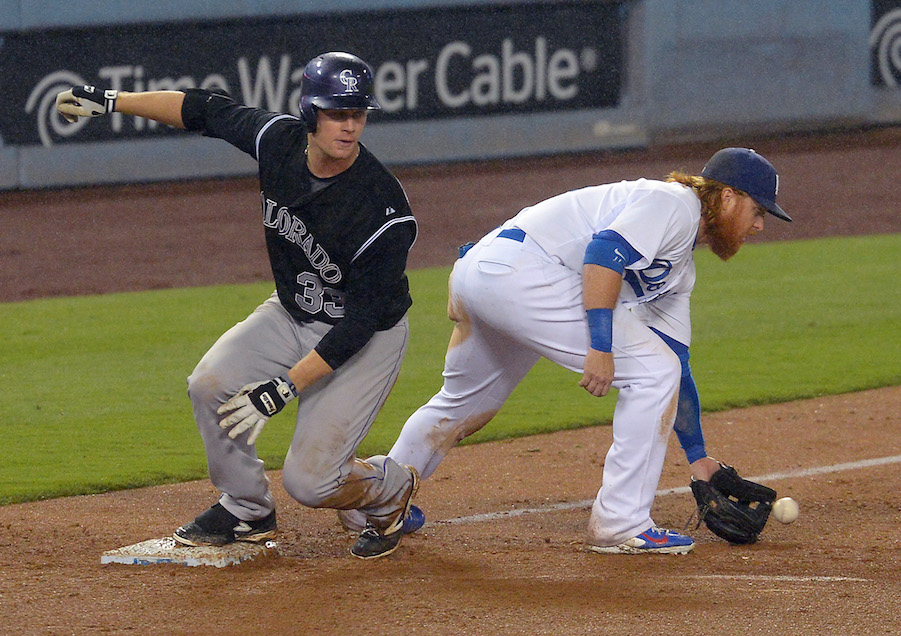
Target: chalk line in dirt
(578, 505)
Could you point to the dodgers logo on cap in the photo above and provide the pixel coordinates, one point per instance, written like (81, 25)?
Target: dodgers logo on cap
(750, 172)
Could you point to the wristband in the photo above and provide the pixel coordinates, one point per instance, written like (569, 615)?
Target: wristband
(106, 98)
(109, 100)
(600, 326)
(290, 384)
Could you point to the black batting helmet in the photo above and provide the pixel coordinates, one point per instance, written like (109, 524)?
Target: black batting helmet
(335, 81)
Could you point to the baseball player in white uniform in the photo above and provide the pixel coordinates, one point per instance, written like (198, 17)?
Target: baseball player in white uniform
(597, 280)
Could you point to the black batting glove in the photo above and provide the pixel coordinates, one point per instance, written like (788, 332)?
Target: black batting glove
(85, 101)
(254, 405)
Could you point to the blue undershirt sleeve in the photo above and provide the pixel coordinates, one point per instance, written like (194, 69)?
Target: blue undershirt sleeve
(688, 420)
(688, 413)
(609, 249)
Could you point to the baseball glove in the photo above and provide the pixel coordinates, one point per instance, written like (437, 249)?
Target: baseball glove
(733, 508)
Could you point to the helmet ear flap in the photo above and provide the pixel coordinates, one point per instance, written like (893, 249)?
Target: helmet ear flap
(308, 113)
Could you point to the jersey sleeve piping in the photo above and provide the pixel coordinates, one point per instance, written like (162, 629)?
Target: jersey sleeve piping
(256, 143)
(381, 230)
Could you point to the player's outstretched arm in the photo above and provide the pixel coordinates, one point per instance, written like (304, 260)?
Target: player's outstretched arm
(89, 101)
(161, 106)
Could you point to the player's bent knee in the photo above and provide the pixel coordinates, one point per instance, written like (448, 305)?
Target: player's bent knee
(310, 490)
(212, 384)
(204, 387)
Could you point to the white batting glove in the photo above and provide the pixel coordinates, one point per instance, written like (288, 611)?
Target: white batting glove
(254, 405)
(85, 101)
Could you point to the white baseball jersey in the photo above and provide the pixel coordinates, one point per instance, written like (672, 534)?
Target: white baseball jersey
(517, 297)
(659, 220)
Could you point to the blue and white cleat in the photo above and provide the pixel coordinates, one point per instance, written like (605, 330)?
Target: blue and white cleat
(355, 521)
(654, 540)
(414, 520)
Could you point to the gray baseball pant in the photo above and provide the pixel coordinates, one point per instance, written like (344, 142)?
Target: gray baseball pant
(333, 416)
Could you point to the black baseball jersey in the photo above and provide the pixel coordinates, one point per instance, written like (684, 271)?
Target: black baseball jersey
(338, 247)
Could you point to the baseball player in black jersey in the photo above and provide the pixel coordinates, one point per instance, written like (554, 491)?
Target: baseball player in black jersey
(338, 229)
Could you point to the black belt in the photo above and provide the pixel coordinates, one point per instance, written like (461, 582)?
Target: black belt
(513, 233)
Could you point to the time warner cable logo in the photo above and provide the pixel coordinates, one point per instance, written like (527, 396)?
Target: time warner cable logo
(42, 102)
(885, 43)
(458, 77)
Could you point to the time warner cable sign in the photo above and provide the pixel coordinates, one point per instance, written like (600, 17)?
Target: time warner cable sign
(885, 43)
(429, 64)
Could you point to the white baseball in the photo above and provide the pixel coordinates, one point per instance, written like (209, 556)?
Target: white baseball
(786, 510)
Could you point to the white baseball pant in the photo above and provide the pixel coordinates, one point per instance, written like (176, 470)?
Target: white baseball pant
(512, 305)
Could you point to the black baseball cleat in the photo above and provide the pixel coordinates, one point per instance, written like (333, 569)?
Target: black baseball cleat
(217, 526)
(375, 542)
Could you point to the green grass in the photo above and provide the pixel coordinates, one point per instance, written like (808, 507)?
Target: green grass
(796, 320)
(93, 388)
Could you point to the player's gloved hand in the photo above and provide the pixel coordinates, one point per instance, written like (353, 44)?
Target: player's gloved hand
(734, 508)
(254, 405)
(85, 101)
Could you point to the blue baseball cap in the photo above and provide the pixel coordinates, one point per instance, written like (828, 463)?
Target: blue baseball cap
(744, 169)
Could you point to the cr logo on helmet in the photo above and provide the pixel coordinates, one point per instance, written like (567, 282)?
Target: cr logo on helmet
(350, 82)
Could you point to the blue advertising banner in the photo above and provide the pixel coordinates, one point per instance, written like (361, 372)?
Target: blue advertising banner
(429, 63)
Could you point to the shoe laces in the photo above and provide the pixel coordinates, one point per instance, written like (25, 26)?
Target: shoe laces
(370, 531)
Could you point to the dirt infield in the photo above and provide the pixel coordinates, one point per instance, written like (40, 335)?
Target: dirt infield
(834, 571)
(502, 550)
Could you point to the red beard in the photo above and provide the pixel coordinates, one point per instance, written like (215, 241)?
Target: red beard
(723, 240)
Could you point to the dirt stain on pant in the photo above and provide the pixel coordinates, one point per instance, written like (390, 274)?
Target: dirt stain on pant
(446, 435)
(669, 416)
(457, 313)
